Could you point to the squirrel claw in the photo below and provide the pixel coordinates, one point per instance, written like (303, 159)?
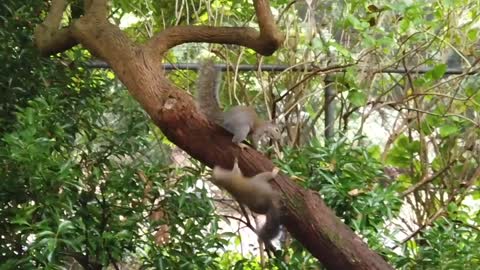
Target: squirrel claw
(275, 171)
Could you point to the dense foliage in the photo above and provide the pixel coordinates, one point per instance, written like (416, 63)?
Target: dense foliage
(88, 180)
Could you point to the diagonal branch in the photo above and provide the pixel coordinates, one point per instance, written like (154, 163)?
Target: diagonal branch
(49, 38)
(97, 8)
(426, 180)
(55, 13)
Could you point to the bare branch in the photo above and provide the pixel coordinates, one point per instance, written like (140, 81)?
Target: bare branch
(426, 179)
(49, 38)
(173, 36)
(55, 13)
(265, 42)
(445, 115)
(243, 36)
(427, 223)
(87, 4)
(51, 42)
(268, 28)
(97, 8)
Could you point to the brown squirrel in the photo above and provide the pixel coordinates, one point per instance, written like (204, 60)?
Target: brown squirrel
(241, 121)
(254, 192)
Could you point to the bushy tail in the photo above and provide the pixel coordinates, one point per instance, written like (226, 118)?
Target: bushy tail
(208, 85)
(271, 227)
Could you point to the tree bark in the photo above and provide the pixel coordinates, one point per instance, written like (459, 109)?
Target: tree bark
(139, 67)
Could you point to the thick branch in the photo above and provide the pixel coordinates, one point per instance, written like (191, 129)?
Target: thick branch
(49, 38)
(265, 42)
(51, 42)
(97, 8)
(268, 27)
(54, 16)
(243, 36)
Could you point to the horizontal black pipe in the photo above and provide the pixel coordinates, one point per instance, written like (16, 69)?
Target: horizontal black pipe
(279, 68)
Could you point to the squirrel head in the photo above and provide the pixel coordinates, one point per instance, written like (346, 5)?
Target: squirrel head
(269, 129)
(273, 131)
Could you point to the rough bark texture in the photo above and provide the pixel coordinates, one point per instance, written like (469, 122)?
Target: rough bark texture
(139, 67)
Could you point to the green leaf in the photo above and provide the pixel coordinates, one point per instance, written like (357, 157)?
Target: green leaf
(357, 98)
(448, 130)
(476, 194)
(356, 23)
(472, 34)
(64, 226)
(438, 71)
(45, 234)
(340, 49)
(452, 207)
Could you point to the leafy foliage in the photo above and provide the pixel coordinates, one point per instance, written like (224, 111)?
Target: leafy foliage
(351, 181)
(349, 178)
(23, 74)
(435, 248)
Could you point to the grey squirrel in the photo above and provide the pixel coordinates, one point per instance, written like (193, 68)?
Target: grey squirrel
(241, 121)
(254, 192)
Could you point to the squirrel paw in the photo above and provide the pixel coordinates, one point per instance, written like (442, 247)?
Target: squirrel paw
(275, 171)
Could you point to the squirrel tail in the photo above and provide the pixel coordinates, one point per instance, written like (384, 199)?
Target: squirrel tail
(208, 85)
(271, 228)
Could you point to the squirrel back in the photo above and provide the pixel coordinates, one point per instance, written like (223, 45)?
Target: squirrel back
(208, 85)
(241, 121)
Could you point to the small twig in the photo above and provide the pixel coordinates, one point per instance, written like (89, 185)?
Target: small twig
(440, 211)
(285, 10)
(248, 225)
(425, 224)
(315, 72)
(244, 212)
(426, 180)
(463, 223)
(422, 151)
(445, 115)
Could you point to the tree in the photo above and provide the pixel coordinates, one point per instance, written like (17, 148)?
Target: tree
(139, 68)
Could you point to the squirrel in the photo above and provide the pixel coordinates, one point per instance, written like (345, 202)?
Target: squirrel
(255, 193)
(241, 121)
